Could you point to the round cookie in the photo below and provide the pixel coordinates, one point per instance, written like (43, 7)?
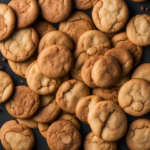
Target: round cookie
(16, 136)
(39, 83)
(85, 105)
(122, 81)
(7, 20)
(21, 45)
(55, 37)
(26, 11)
(121, 41)
(142, 71)
(123, 57)
(110, 15)
(138, 135)
(90, 43)
(106, 72)
(63, 135)
(134, 97)
(138, 31)
(43, 27)
(93, 142)
(6, 86)
(52, 64)
(70, 93)
(55, 11)
(108, 121)
(43, 127)
(23, 103)
(78, 23)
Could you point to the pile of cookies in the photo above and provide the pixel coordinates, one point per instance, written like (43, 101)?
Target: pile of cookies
(101, 59)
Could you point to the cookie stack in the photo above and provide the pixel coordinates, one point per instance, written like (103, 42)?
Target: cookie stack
(101, 59)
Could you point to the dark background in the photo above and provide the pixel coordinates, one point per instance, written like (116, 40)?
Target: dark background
(40, 142)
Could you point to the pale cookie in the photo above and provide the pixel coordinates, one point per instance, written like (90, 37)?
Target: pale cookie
(134, 97)
(43, 127)
(106, 72)
(142, 71)
(26, 11)
(93, 142)
(107, 93)
(7, 20)
(15, 136)
(138, 31)
(55, 37)
(121, 41)
(63, 135)
(39, 83)
(85, 105)
(122, 81)
(23, 103)
(110, 15)
(138, 135)
(70, 93)
(6, 86)
(55, 11)
(43, 27)
(123, 57)
(21, 45)
(90, 43)
(78, 23)
(108, 121)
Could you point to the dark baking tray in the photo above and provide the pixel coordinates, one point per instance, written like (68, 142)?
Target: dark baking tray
(40, 142)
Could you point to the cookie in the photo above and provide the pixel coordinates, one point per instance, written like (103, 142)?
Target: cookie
(48, 113)
(55, 11)
(16, 136)
(26, 11)
(123, 57)
(121, 41)
(6, 86)
(134, 97)
(39, 83)
(43, 27)
(8, 21)
(84, 4)
(85, 105)
(108, 121)
(78, 23)
(107, 93)
(122, 81)
(66, 113)
(55, 37)
(110, 15)
(142, 72)
(23, 103)
(92, 142)
(138, 135)
(21, 45)
(63, 135)
(43, 127)
(106, 72)
(90, 43)
(52, 64)
(70, 93)
(135, 32)
(66, 77)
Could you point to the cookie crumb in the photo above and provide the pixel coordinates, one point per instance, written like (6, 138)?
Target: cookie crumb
(4, 59)
(142, 8)
(21, 81)
(1, 67)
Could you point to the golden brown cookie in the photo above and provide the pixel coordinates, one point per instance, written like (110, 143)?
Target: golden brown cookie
(26, 11)
(21, 45)
(78, 23)
(63, 135)
(6, 86)
(110, 15)
(43, 127)
(85, 105)
(23, 103)
(108, 121)
(55, 37)
(93, 142)
(70, 93)
(121, 41)
(7, 20)
(39, 83)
